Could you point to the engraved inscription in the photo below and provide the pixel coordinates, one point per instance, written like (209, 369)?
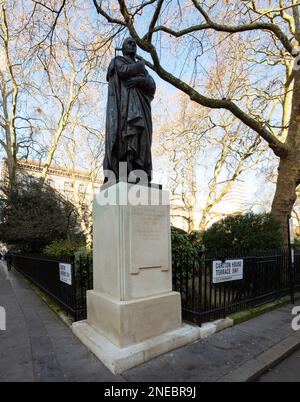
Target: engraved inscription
(148, 227)
(149, 239)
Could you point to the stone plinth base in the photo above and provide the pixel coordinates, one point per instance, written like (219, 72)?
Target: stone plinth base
(132, 313)
(132, 243)
(127, 322)
(118, 360)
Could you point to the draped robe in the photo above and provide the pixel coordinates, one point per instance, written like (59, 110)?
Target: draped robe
(128, 117)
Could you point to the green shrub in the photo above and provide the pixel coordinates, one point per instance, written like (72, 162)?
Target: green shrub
(14, 248)
(63, 248)
(246, 232)
(32, 216)
(196, 239)
(184, 242)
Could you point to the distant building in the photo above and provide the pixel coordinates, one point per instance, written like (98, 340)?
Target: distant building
(59, 178)
(234, 202)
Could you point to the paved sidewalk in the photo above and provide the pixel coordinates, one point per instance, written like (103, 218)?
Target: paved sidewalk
(38, 346)
(287, 371)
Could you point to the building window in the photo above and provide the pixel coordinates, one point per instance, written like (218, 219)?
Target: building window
(51, 183)
(32, 179)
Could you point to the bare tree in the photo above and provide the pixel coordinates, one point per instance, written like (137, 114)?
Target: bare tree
(71, 73)
(17, 126)
(87, 151)
(271, 33)
(193, 138)
(47, 89)
(236, 156)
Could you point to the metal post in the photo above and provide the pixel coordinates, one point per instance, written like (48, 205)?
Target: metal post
(74, 288)
(291, 257)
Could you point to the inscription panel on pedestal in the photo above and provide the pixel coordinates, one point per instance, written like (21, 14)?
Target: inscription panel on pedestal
(149, 238)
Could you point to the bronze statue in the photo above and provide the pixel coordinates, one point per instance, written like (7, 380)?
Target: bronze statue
(128, 116)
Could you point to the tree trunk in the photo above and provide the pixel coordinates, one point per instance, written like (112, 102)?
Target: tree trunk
(12, 172)
(202, 225)
(289, 165)
(285, 195)
(191, 220)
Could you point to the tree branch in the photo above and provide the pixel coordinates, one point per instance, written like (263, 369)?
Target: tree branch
(228, 28)
(154, 20)
(107, 16)
(277, 146)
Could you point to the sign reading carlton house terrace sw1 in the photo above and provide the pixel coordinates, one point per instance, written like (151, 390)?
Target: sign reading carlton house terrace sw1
(230, 270)
(65, 273)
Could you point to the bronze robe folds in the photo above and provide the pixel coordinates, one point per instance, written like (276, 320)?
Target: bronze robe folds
(128, 117)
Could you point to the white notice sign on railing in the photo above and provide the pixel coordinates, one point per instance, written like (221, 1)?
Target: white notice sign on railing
(230, 270)
(65, 273)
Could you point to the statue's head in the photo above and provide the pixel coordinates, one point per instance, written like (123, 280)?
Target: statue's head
(129, 47)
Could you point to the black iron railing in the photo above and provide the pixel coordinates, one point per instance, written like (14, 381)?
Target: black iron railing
(266, 277)
(45, 272)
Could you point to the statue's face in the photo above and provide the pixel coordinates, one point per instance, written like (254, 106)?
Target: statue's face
(129, 47)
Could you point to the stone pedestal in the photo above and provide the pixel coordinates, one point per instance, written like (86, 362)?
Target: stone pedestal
(132, 306)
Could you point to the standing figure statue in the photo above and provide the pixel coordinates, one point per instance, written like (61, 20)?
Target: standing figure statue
(128, 116)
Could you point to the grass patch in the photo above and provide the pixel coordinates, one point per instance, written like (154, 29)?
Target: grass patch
(246, 315)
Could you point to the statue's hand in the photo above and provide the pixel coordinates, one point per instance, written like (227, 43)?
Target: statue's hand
(135, 82)
(141, 65)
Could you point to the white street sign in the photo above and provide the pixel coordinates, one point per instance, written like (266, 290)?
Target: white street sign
(292, 256)
(65, 273)
(292, 237)
(230, 270)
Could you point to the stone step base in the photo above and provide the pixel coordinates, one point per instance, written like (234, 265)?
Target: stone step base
(118, 359)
